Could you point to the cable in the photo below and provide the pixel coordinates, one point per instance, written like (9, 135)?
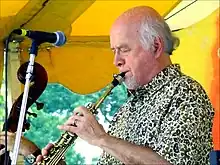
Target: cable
(181, 10)
(6, 160)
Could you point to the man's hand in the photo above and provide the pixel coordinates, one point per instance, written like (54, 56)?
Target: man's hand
(45, 152)
(84, 124)
(27, 147)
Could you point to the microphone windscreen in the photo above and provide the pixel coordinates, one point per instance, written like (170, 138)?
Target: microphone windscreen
(61, 38)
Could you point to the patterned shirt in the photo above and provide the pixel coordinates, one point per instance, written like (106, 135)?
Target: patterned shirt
(172, 115)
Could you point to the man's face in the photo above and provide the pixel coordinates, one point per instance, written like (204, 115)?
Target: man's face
(129, 55)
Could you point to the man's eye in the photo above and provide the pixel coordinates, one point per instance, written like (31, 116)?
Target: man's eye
(125, 50)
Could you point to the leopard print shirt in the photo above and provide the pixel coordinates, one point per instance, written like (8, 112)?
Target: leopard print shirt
(172, 115)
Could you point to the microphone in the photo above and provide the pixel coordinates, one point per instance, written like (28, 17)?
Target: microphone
(56, 38)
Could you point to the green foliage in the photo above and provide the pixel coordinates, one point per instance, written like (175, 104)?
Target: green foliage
(59, 103)
(59, 99)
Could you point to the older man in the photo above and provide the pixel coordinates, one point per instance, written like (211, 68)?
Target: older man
(168, 117)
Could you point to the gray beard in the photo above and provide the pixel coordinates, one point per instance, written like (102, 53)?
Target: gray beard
(131, 83)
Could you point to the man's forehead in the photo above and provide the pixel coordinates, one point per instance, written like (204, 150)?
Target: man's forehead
(118, 46)
(124, 33)
(118, 28)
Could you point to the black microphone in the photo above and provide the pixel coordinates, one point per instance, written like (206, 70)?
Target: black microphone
(56, 38)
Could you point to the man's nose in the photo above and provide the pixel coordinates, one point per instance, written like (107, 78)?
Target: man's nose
(118, 60)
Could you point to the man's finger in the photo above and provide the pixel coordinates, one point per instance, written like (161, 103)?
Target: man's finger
(81, 111)
(77, 113)
(39, 158)
(46, 150)
(67, 128)
(49, 146)
(71, 120)
(76, 117)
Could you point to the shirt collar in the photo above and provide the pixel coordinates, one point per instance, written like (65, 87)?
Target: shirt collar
(163, 77)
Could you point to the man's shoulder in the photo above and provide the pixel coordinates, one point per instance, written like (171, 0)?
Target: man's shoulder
(191, 92)
(189, 88)
(187, 83)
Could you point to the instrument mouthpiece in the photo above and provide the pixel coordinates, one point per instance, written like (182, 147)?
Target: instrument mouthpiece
(122, 74)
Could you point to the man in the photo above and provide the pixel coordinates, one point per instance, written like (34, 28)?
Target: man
(168, 117)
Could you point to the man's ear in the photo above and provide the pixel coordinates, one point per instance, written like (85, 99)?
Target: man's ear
(158, 47)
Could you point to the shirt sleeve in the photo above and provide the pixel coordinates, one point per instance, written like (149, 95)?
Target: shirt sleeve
(185, 135)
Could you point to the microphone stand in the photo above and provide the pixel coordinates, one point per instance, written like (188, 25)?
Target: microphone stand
(29, 72)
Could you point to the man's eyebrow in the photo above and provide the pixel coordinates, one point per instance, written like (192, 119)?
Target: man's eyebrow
(120, 46)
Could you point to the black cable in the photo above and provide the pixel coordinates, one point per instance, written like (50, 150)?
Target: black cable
(181, 9)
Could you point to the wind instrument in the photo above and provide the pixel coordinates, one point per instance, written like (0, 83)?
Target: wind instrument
(56, 153)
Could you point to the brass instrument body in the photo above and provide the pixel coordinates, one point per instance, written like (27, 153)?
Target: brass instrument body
(67, 139)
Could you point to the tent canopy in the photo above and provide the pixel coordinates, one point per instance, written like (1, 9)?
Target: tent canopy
(86, 56)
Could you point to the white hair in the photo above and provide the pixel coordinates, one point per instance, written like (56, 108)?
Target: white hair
(152, 28)
(131, 83)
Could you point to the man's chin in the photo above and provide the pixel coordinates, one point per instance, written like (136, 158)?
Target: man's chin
(131, 85)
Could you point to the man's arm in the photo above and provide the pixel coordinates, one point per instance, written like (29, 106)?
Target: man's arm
(130, 153)
(88, 129)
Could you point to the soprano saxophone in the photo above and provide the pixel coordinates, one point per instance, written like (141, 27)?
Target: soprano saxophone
(67, 139)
